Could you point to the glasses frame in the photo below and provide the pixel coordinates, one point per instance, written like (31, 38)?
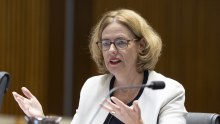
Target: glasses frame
(100, 42)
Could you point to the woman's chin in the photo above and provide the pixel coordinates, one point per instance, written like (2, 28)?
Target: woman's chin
(115, 71)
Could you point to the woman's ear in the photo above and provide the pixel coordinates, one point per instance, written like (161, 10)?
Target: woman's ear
(142, 44)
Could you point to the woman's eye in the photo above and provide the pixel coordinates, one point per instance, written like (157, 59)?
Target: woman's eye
(105, 43)
(121, 42)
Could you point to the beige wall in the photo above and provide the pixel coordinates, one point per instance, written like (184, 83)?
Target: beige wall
(32, 39)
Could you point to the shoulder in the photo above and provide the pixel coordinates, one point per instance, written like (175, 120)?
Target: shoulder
(96, 82)
(173, 89)
(99, 78)
(169, 83)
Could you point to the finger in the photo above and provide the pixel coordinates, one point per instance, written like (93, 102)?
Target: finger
(23, 106)
(109, 106)
(118, 102)
(16, 96)
(21, 102)
(136, 107)
(27, 93)
(113, 105)
(18, 99)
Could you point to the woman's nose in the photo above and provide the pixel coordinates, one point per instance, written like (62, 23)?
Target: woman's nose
(112, 47)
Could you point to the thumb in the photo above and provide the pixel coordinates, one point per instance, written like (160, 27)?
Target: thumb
(137, 108)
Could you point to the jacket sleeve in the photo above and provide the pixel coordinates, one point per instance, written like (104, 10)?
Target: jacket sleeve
(173, 110)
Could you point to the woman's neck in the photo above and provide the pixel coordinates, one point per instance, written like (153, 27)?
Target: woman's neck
(127, 79)
(127, 95)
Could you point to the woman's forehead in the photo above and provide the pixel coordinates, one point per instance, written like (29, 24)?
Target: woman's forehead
(116, 30)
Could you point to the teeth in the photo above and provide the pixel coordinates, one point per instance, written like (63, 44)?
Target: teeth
(114, 60)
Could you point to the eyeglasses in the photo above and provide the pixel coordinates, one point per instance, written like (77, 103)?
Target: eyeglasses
(118, 43)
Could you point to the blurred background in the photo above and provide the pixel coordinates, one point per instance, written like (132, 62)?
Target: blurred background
(44, 47)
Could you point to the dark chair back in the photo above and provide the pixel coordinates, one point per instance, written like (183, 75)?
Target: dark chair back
(4, 84)
(202, 118)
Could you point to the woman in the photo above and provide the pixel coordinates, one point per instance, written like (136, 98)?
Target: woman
(126, 50)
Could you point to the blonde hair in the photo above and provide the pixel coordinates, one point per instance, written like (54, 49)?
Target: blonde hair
(147, 58)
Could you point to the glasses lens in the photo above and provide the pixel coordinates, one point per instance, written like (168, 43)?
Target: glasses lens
(120, 43)
(106, 44)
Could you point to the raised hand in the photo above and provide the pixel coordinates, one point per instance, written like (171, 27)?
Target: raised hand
(29, 104)
(126, 114)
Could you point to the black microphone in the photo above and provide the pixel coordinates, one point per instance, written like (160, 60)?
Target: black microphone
(154, 85)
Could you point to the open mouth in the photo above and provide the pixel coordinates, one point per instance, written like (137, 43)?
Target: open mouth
(115, 61)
